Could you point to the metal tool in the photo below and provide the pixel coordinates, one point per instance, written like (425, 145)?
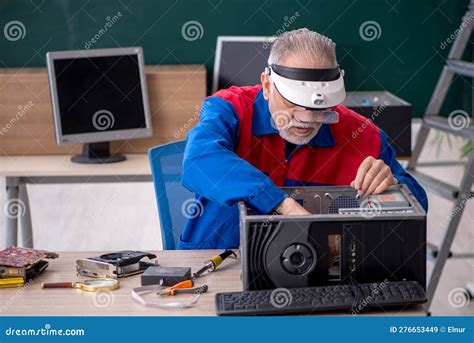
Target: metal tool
(87, 285)
(214, 262)
(184, 287)
(181, 287)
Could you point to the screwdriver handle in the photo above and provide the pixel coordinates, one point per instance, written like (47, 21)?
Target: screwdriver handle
(196, 290)
(59, 285)
(182, 284)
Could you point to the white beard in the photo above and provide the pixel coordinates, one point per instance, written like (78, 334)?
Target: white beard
(285, 134)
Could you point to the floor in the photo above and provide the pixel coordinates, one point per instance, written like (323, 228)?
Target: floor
(124, 216)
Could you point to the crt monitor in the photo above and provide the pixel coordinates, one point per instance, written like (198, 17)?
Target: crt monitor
(240, 60)
(98, 96)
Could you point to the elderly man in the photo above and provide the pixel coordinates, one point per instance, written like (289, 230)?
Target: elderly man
(289, 131)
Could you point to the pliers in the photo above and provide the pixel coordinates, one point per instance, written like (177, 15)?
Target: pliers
(184, 287)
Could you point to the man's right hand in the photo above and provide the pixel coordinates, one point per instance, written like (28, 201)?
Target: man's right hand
(290, 207)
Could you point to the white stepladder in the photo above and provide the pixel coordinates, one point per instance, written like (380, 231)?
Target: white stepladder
(454, 67)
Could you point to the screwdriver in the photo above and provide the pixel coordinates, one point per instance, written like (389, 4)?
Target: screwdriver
(214, 262)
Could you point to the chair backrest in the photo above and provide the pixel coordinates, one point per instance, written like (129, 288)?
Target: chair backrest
(166, 167)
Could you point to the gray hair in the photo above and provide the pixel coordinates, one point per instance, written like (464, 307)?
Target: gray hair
(303, 43)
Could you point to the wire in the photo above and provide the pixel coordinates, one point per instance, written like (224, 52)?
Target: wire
(357, 291)
(139, 291)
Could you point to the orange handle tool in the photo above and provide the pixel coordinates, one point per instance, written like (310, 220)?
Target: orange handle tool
(180, 285)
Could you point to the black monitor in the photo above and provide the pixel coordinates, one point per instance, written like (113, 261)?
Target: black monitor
(240, 60)
(98, 96)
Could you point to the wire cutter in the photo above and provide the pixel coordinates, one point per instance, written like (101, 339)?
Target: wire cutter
(183, 287)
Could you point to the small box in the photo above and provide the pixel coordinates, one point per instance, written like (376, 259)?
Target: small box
(169, 275)
(388, 112)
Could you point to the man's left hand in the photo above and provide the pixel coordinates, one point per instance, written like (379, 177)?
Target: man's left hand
(373, 177)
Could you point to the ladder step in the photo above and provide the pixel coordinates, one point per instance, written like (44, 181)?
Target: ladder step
(440, 163)
(436, 186)
(461, 67)
(443, 124)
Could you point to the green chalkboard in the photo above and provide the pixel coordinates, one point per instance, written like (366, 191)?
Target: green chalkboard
(405, 57)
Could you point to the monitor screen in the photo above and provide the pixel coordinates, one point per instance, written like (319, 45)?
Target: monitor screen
(240, 61)
(97, 94)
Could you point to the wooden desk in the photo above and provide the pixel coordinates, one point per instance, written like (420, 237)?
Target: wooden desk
(21, 170)
(33, 168)
(33, 300)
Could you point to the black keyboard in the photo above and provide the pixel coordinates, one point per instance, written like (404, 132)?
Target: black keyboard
(355, 298)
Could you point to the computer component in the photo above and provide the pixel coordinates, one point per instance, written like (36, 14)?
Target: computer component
(26, 273)
(98, 96)
(240, 60)
(12, 282)
(166, 276)
(23, 257)
(25, 263)
(368, 239)
(115, 265)
(354, 298)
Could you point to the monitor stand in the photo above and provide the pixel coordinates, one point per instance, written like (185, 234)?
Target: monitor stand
(97, 153)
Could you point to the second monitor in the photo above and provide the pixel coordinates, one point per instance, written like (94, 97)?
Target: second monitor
(240, 60)
(99, 96)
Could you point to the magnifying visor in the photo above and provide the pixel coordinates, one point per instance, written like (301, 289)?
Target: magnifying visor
(86, 285)
(324, 116)
(315, 90)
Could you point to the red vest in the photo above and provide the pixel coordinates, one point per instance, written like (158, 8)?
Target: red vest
(355, 138)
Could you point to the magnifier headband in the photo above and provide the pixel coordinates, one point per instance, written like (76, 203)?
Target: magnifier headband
(306, 74)
(313, 89)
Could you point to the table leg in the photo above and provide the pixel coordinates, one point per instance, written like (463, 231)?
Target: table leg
(25, 218)
(11, 211)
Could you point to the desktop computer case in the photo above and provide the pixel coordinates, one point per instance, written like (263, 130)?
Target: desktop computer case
(338, 243)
